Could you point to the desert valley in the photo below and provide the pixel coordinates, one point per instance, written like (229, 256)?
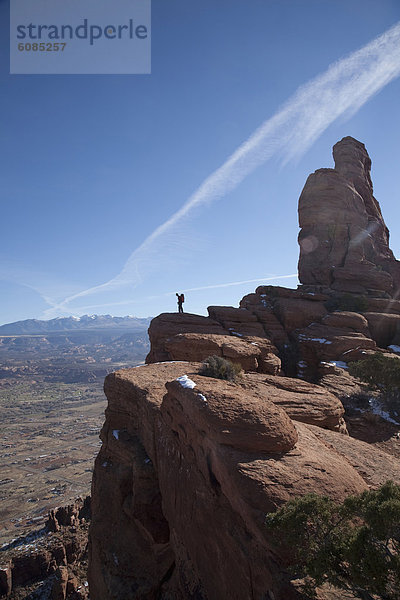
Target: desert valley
(51, 409)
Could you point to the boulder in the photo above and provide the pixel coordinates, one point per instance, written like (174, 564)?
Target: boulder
(228, 414)
(253, 353)
(268, 361)
(297, 313)
(384, 327)
(340, 384)
(231, 314)
(166, 325)
(197, 347)
(347, 320)
(237, 321)
(264, 312)
(384, 305)
(301, 400)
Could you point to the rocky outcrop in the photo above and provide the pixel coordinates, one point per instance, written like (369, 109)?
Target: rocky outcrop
(49, 563)
(345, 308)
(187, 470)
(375, 465)
(70, 515)
(231, 334)
(344, 242)
(302, 401)
(237, 321)
(167, 325)
(385, 328)
(190, 465)
(298, 335)
(320, 343)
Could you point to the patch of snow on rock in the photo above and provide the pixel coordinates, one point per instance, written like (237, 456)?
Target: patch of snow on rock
(203, 398)
(186, 382)
(303, 337)
(340, 363)
(394, 348)
(376, 408)
(116, 433)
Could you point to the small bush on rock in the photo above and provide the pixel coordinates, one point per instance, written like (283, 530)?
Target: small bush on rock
(382, 373)
(347, 302)
(379, 371)
(354, 545)
(220, 368)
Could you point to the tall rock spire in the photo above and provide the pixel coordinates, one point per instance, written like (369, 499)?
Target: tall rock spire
(344, 242)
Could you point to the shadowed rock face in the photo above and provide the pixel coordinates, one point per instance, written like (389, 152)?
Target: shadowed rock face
(189, 465)
(187, 470)
(344, 242)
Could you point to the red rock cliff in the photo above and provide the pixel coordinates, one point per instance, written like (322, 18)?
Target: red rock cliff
(344, 242)
(188, 468)
(190, 465)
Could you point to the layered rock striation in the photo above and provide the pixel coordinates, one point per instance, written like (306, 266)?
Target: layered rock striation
(344, 242)
(231, 333)
(190, 465)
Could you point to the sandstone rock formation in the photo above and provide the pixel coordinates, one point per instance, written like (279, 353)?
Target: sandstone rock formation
(49, 563)
(188, 468)
(193, 338)
(295, 329)
(302, 401)
(190, 465)
(343, 250)
(344, 242)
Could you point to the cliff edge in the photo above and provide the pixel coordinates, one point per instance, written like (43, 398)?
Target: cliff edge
(190, 465)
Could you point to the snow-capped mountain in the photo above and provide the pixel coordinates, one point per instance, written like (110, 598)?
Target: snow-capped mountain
(36, 326)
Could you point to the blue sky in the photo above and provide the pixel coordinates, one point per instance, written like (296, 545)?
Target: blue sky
(92, 165)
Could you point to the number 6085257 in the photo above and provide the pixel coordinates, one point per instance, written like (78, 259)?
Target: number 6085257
(42, 47)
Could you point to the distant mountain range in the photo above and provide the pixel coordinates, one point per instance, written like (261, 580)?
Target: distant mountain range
(64, 324)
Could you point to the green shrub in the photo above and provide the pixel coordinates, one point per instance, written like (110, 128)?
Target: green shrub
(354, 545)
(220, 368)
(379, 371)
(347, 302)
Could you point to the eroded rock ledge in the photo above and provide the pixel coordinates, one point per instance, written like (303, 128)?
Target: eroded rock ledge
(189, 465)
(187, 470)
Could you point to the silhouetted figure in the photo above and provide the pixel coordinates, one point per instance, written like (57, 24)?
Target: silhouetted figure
(181, 300)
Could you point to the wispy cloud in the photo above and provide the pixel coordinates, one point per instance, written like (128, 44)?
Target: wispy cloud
(215, 286)
(340, 91)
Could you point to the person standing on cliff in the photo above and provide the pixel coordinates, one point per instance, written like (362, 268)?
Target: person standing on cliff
(181, 300)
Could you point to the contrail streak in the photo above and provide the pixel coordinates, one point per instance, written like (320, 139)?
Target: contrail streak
(186, 290)
(341, 90)
(232, 283)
